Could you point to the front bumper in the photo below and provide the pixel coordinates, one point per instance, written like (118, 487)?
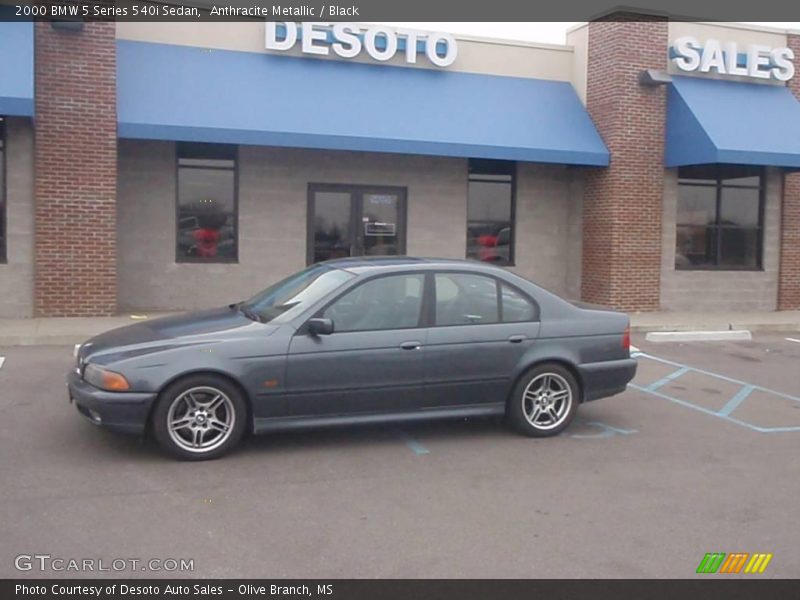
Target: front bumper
(120, 411)
(606, 378)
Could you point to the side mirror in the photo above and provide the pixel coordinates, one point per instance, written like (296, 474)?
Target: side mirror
(320, 326)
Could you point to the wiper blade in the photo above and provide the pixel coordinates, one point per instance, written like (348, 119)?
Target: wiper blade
(250, 314)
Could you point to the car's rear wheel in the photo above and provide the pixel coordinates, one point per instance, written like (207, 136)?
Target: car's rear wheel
(544, 401)
(200, 417)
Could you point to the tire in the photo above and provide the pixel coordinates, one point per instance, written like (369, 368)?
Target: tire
(556, 409)
(208, 415)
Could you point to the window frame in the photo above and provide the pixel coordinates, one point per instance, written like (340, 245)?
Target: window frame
(718, 186)
(499, 283)
(427, 317)
(226, 152)
(3, 190)
(489, 167)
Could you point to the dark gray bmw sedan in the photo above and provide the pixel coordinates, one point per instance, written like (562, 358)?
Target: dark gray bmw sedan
(356, 340)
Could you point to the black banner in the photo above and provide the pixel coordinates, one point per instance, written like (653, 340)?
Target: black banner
(408, 589)
(393, 10)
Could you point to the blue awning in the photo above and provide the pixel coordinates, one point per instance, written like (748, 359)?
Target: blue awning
(16, 68)
(195, 94)
(711, 121)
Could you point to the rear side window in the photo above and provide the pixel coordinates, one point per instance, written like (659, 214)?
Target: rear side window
(468, 299)
(516, 307)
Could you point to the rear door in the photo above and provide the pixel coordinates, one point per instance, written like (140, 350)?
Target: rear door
(481, 327)
(372, 362)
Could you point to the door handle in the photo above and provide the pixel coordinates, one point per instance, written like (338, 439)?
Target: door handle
(516, 339)
(411, 345)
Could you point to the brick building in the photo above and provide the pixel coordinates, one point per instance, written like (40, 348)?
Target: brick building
(645, 165)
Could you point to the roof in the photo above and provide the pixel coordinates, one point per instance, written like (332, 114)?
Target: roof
(362, 264)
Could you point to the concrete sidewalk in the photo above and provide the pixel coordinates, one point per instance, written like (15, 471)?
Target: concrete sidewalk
(57, 331)
(74, 330)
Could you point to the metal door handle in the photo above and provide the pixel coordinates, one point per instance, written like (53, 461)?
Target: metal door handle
(411, 345)
(516, 339)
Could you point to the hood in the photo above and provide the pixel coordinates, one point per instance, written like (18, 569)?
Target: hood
(166, 332)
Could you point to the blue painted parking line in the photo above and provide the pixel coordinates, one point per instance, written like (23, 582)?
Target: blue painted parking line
(607, 431)
(665, 380)
(734, 402)
(717, 375)
(412, 443)
(725, 412)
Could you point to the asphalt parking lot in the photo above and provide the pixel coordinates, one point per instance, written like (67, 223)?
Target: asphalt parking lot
(642, 485)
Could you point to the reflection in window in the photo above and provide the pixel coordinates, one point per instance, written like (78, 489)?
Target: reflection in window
(464, 299)
(2, 190)
(516, 307)
(287, 298)
(490, 211)
(719, 218)
(392, 302)
(207, 228)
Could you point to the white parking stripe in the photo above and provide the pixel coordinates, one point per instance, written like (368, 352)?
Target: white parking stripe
(2, 360)
(795, 340)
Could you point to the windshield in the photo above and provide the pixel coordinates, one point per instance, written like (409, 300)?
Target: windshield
(296, 293)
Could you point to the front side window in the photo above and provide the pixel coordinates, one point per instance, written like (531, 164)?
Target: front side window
(720, 218)
(207, 212)
(392, 302)
(490, 211)
(3, 226)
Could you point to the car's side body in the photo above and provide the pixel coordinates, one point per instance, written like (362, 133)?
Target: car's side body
(293, 378)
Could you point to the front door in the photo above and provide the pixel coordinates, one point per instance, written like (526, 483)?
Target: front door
(372, 362)
(348, 220)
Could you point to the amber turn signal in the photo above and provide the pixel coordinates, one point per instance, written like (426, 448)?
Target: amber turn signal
(105, 380)
(115, 382)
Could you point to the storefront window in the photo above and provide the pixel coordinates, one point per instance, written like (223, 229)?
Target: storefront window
(720, 218)
(207, 203)
(490, 211)
(2, 190)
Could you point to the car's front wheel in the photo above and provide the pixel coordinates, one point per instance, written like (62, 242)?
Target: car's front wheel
(199, 417)
(544, 401)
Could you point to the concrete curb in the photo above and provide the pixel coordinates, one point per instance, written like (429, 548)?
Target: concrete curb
(752, 326)
(698, 336)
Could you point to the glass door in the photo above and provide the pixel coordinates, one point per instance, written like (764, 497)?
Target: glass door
(331, 225)
(355, 221)
(381, 223)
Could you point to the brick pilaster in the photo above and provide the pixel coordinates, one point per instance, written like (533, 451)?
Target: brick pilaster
(623, 204)
(789, 274)
(76, 171)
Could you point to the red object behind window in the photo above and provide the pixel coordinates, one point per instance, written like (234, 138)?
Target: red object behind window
(206, 241)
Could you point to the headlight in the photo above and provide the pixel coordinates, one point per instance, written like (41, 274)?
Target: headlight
(105, 379)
